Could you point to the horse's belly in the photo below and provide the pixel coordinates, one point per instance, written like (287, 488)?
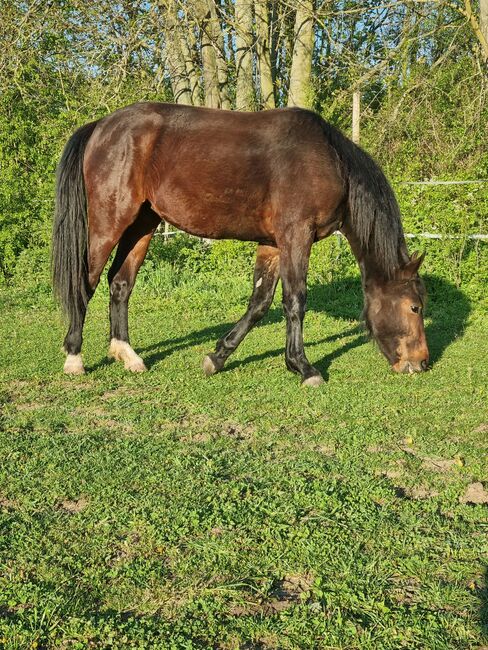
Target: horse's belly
(221, 213)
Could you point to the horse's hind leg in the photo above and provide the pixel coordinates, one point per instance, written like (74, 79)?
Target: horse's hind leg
(131, 252)
(101, 242)
(266, 274)
(98, 254)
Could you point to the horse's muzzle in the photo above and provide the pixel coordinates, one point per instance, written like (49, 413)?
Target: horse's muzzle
(411, 367)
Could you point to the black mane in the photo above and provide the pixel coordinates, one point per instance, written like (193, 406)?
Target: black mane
(374, 212)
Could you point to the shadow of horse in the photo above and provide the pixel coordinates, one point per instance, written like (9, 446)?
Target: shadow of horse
(447, 314)
(483, 596)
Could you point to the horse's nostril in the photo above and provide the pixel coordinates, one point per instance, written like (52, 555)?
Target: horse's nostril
(424, 364)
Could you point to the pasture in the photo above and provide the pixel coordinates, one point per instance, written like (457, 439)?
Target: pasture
(169, 510)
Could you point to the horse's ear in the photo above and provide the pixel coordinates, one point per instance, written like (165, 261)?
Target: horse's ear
(409, 269)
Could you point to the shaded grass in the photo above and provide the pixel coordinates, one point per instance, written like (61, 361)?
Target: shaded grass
(168, 510)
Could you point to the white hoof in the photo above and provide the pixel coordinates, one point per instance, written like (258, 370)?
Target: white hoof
(315, 380)
(209, 367)
(135, 365)
(122, 351)
(74, 365)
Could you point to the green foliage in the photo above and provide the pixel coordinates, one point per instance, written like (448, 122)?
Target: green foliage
(421, 121)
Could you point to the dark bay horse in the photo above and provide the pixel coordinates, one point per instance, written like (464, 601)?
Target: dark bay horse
(283, 178)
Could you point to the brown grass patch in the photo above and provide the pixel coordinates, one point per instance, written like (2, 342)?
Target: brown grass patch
(73, 507)
(475, 494)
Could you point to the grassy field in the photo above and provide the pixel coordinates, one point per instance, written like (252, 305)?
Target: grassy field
(173, 511)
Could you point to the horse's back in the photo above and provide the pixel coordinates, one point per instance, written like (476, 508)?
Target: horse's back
(212, 172)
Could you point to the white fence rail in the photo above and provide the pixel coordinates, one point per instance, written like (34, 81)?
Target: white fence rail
(409, 235)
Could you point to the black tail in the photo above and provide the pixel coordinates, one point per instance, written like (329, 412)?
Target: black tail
(374, 212)
(69, 251)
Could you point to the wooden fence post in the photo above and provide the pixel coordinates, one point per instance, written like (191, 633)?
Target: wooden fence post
(356, 115)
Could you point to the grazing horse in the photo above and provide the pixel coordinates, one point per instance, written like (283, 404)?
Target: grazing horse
(283, 178)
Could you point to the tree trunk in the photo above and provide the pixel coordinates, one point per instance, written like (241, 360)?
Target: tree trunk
(478, 28)
(244, 80)
(174, 57)
(217, 38)
(188, 49)
(300, 90)
(264, 57)
(209, 60)
(484, 20)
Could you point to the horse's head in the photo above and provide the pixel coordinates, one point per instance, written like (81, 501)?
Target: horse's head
(393, 312)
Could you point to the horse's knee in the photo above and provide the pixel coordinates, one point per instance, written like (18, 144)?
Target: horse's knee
(119, 290)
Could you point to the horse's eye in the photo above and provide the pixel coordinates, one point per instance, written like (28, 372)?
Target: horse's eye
(415, 309)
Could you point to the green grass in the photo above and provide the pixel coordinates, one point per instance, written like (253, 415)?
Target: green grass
(170, 510)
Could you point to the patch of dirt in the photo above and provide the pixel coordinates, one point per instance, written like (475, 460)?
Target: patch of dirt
(200, 428)
(377, 449)
(7, 504)
(292, 588)
(475, 494)
(326, 450)
(441, 464)
(100, 417)
(405, 591)
(408, 450)
(217, 531)
(483, 428)
(73, 507)
(194, 428)
(30, 406)
(121, 391)
(289, 591)
(239, 431)
(126, 551)
(416, 492)
(392, 474)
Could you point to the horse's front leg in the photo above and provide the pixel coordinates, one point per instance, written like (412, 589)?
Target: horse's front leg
(266, 273)
(293, 270)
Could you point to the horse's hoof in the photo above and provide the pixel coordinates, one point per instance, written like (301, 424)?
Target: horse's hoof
(314, 380)
(209, 366)
(74, 365)
(122, 351)
(135, 365)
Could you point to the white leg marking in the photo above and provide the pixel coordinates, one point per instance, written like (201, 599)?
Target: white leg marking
(74, 365)
(208, 366)
(122, 351)
(315, 380)
(259, 283)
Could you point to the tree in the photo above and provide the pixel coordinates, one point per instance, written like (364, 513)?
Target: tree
(300, 90)
(174, 39)
(484, 18)
(208, 55)
(244, 63)
(263, 54)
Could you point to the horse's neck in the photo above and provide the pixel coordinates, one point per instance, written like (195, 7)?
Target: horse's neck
(370, 269)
